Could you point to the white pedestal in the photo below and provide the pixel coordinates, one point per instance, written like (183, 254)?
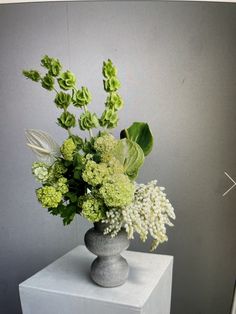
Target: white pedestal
(64, 287)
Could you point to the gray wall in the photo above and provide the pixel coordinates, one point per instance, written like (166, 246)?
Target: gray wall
(177, 65)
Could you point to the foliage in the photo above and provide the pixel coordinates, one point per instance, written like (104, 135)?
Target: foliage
(94, 176)
(139, 133)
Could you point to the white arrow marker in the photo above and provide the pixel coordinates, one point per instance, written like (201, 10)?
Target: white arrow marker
(234, 183)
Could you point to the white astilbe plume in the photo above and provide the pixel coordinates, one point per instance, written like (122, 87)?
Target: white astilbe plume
(148, 214)
(43, 145)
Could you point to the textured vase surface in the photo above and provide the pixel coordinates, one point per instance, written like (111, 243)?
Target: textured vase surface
(109, 269)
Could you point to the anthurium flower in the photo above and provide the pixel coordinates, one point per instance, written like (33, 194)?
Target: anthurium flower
(43, 145)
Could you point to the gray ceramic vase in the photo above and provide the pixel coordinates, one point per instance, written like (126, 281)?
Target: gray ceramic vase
(109, 269)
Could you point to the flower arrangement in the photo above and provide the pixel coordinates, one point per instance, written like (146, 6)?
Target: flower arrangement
(95, 176)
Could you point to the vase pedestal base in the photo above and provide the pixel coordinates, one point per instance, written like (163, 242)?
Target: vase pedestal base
(65, 287)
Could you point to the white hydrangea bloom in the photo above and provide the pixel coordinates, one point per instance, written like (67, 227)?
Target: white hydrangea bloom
(149, 213)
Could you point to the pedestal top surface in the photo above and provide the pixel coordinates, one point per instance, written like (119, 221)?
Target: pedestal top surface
(69, 275)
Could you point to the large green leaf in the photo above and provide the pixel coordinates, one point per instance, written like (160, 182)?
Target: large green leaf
(140, 133)
(131, 156)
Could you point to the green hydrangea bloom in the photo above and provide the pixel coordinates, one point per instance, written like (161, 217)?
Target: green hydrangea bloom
(117, 191)
(105, 143)
(40, 171)
(77, 140)
(49, 197)
(48, 82)
(94, 174)
(88, 121)
(68, 149)
(61, 185)
(114, 101)
(62, 100)
(109, 119)
(32, 75)
(56, 171)
(111, 84)
(114, 165)
(82, 97)
(93, 209)
(67, 80)
(108, 69)
(67, 120)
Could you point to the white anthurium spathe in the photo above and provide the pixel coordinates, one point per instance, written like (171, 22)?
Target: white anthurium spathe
(43, 145)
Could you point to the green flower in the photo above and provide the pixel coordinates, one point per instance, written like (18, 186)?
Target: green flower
(109, 119)
(62, 100)
(88, 121)
(105, 144)
(46, 62)
(114, 101)
(49, 197)
(114, 165)
(111, 84)
(66, 120)
(109, 70)
(61, 185)
(82, 97)
(68, 149)
(48, 82)
(117, 191)
(94, 174)
(93, 209)
(32, 75)
(67, 80)
(77, 140)
(56, 171)
(40, 171)
(53, 65)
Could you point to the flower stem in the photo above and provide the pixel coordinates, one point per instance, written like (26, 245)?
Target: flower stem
(55, 90)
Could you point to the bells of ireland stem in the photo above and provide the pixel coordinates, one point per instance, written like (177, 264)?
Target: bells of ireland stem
(48, 82)
(82, 97)
(111, 84)
(66, 120)
(53, 65)
(62, 100)
(88, 121)
(114, 101)
(109, 70)
(32, 75)
(67, 80)
(109, 119)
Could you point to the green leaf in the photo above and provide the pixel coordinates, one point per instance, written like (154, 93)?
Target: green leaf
(140, 133)
(130, 155)
(72, 196)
